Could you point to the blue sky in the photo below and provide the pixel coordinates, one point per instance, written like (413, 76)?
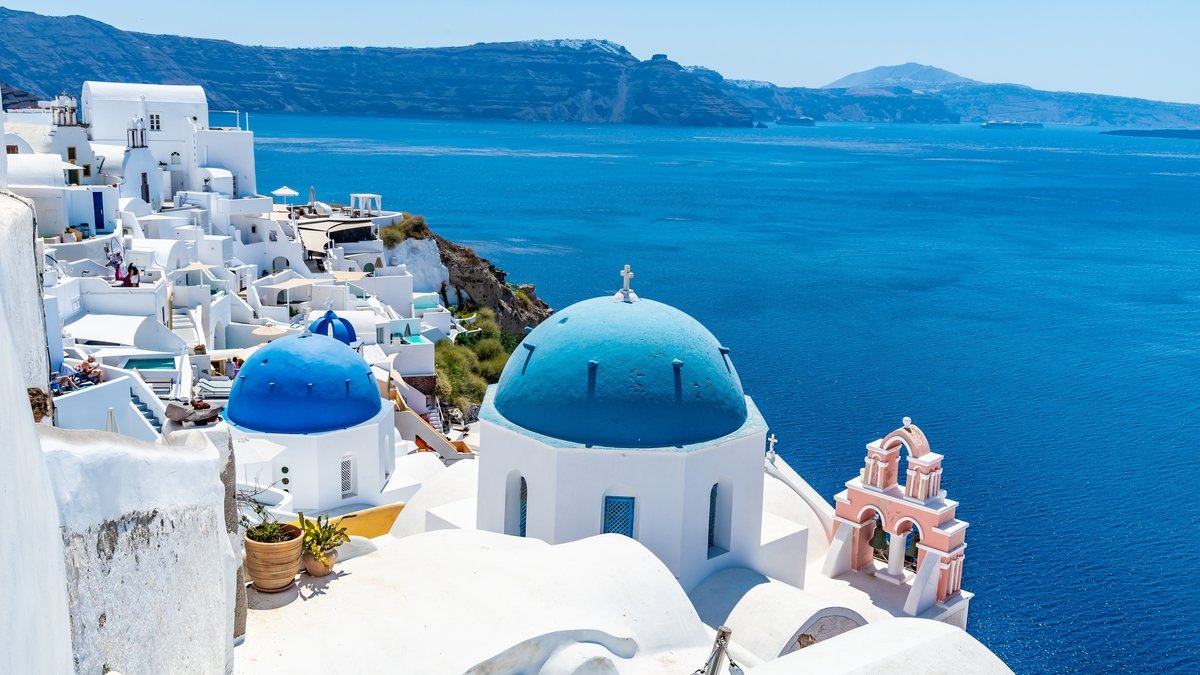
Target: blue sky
(1148, 49)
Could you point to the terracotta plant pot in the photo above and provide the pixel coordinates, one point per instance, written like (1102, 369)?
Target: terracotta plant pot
(314, 566)
(272, 567)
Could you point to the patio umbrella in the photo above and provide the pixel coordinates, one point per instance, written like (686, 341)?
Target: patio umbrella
(270, 331)
(285, 192)
(110, 422)
(312, 195)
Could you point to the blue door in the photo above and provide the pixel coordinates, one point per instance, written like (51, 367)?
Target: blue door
(618, 515)
(98, 212)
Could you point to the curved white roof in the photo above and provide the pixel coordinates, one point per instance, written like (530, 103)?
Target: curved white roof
(891, 646)
(159, 93)
(36, 170)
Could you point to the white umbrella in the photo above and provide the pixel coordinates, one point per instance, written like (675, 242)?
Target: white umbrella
(110, 422)
(270, 331)
(286, 192)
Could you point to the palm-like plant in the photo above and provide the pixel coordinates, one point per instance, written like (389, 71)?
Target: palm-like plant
(320, 535)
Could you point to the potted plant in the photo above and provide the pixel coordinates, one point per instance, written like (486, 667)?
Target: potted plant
(321, 539)
(272, 552)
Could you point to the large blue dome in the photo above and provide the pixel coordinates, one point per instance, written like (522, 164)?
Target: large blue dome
(624, 375)
(303, 384)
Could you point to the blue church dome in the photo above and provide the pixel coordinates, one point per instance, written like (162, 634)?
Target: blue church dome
(624, 375)
(303, 384)
(335, 327)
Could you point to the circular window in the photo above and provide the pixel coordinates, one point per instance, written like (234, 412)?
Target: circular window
(286, 481)
(284, 469)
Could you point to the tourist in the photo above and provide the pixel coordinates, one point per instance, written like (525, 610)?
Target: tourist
(134, 279)
(91, 370)
(67, 379)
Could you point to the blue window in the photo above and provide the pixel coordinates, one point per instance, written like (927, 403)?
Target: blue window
(524, 505)
(712, 516)
(618, 515)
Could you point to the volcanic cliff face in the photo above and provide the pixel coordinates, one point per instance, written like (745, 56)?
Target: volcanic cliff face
(558, 80)
(516, 307)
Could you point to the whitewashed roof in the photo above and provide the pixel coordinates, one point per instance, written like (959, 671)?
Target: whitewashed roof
(158, 93)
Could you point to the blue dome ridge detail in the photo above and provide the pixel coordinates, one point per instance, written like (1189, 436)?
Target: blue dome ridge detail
(303, 384)
(623, 375)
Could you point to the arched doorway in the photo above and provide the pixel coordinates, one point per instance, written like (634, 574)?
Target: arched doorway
(279, 264)
(219, 335)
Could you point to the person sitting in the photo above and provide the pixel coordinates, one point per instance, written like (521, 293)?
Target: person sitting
(91, 370)
(132, 278)
(67, 379)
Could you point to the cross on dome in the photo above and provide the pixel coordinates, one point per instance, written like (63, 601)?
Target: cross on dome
(626, 293)
(771, 441)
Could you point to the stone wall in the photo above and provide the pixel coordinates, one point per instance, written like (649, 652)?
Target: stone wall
(148, 563)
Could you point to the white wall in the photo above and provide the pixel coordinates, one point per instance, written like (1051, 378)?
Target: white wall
(314, 463)
(20, 290)
(394, 290)
(228, 149)
(567, 486)
(35, 632)
(147, 559)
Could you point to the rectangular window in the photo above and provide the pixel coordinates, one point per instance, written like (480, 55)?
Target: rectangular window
(70, 153)
(347, 477)
(155, 122)
(618, 515)
(87, 170)
(10, 149)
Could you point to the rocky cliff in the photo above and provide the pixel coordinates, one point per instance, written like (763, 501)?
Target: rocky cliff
(554, 80)
(516, 307)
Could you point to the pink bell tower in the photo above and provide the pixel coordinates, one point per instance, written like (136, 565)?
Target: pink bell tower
(921, 544)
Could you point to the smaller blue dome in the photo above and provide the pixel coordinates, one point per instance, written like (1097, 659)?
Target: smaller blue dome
(303, 384)
(335, 327)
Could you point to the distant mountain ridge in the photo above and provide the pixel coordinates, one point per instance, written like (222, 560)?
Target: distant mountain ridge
(592, 81)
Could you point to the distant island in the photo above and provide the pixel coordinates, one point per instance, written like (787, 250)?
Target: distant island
(592, 81)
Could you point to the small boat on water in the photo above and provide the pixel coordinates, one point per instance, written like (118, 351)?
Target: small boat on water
(801, 121)
(1010, 124)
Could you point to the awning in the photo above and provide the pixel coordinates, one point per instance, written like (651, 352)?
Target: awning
(195, 267)
(314, 241)
(290, 284)
(117, 329)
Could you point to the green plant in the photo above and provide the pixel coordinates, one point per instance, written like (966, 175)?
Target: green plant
(268, 530)
(321, 536)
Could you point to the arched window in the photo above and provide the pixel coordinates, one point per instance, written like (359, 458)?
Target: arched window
(516, 505)
(618, 515)
(720, 505)
(712, 516)
(524, 506)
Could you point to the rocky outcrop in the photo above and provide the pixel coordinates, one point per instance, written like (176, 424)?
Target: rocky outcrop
(516, 307)
(17, 98)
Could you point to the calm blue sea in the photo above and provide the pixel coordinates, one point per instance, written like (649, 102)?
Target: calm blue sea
(1030, 298)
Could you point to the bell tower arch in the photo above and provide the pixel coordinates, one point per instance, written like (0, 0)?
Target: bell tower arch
(906, 534)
